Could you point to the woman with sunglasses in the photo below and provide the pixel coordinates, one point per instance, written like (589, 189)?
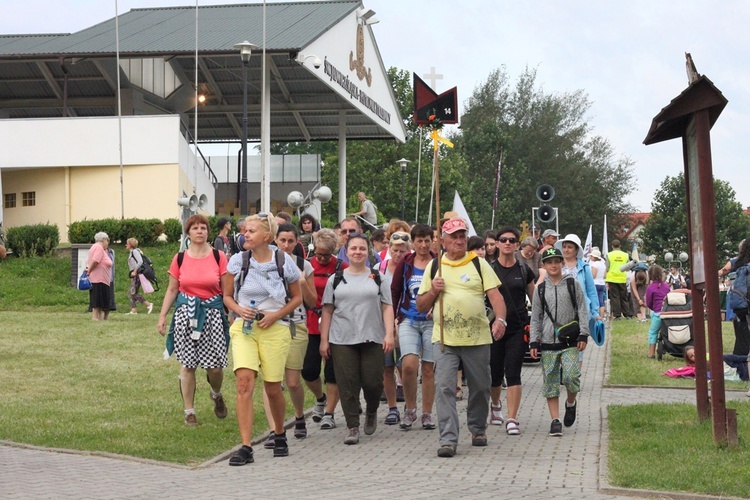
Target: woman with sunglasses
(399, 246)
(506, 354)
(356, 329)
(260, 334)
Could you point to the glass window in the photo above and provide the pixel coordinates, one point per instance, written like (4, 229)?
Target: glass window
(10, 200)
(28, 198)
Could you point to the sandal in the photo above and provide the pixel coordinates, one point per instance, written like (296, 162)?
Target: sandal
(511, 427)
(243, 456)
(393, 417)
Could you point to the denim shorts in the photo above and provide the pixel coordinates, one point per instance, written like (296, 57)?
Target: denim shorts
(415, 337)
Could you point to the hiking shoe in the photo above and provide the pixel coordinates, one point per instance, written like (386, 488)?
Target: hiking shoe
(353, 436)
(243, 456)
(270, 441)
(427, 422)
(496, 414)
(393, 417)
(410, 416)
(479, 440)
(511, 427)
(300, 428)
(319, 409)
(327, 422)
(400, 394)
(447, 451)
(570, 414)
(556, 428)
(281, 447)
(191, 420)
(220, 407)
(371, 423)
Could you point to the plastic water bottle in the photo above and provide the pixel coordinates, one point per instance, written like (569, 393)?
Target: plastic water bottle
(247, 326)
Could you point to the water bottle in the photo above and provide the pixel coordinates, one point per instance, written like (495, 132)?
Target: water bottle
(247, 326)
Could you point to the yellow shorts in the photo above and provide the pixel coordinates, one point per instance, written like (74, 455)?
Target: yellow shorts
(298, 348)
(264, 347)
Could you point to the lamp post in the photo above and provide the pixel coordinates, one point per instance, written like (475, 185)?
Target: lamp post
(245, 48)
(403, 162)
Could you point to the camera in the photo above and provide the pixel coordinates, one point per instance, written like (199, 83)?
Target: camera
(317, 63)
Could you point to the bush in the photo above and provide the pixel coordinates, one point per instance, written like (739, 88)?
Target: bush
(34, 240)
(173, 230)
(146, 231)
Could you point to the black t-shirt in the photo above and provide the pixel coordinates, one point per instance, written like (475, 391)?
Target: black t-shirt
(514, 288)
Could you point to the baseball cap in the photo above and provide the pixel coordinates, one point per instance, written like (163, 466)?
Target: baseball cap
(454, 224)
(551, 253)
(549, 232)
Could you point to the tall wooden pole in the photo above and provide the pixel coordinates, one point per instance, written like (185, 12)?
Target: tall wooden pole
(439, 238)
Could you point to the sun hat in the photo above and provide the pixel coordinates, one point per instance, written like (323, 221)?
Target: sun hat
(571, 238)
(596, 253)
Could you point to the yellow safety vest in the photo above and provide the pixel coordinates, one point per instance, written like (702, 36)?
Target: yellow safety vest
(617, 259)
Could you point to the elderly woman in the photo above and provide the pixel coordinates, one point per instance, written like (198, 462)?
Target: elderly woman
(528, 254)
(99, 267)
(198, 334)
(268, 292)
(357, 328)
(135, 260)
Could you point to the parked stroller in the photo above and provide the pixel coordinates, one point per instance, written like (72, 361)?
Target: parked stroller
(676, 331)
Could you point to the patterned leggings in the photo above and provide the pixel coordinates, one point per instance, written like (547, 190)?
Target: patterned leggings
(135, 297)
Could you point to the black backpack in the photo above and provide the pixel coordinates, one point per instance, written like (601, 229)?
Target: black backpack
(338, 277)
(475, 261)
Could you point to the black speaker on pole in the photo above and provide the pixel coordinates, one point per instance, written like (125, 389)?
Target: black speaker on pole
(545, 193)
(545, 213)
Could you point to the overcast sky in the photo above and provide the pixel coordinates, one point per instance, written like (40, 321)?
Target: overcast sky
(628, 56)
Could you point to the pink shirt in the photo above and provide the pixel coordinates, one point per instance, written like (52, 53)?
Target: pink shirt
(200, 277)
(102, 272)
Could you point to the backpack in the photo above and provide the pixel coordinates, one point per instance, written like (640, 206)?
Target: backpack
(338, 277)
(147, 270)
(475, 261)
(737, 298)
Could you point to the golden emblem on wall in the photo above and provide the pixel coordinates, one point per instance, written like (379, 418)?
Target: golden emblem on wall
(359, 63)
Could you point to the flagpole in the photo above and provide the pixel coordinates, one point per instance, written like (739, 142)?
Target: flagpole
(439, 239)
(419, 171)
(497, 188)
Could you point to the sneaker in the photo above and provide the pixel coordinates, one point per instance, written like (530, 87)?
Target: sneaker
(400, 394)
(479, 440)
(371, 423)
(556, 428)
(191, 420)
(319, 409)
(393, 417)
(427, 422)
(327, 422)
(270, 441)
(447, 451)
(496, 414)
(300, 428)
(353, 436)
(243, 456)
(410, 416)
(281, 447)
(150, 307)
(511, 427)
(220, 407)
(570, 414)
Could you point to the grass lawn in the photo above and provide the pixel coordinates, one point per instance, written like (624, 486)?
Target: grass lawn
(630, 366)
(100, 386)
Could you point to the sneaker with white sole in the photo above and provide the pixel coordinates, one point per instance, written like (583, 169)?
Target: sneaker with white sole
(427, 422)
(353, 436)
(327, 422)
(555, 429)
(150, 307)
(496, 414)
(410, 416)
(319, 409)
(511, 427)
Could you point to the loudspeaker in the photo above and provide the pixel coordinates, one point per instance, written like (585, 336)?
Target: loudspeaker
(203, 202)
(191, 203)
(545, 213)
(295, 199)
(323, 194)
(545, 193)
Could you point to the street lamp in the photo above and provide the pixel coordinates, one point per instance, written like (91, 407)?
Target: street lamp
(245, 48)
(403, 162)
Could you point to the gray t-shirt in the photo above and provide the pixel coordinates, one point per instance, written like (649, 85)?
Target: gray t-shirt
(369, 215)
(357, 314)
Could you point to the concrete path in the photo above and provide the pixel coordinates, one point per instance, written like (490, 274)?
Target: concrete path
(390, 463)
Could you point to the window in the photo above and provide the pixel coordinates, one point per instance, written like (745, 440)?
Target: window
(10, 200)
(28, 198)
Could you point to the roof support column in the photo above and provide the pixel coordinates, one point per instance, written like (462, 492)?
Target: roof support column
(342, 165)
(265, 137)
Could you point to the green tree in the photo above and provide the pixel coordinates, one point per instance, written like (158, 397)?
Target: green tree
(666, 228)
(544, 139)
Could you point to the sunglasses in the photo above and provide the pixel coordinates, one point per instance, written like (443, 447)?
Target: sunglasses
(507, 240)
(404, 237)
(323, 256)
(349, 231)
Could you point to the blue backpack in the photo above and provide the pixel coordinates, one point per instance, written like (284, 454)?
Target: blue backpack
(737, 297)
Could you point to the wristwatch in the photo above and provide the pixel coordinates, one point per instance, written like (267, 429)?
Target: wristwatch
(502, 320)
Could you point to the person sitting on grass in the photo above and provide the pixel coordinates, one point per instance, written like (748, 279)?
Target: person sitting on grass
(553, 307)
(736, 361)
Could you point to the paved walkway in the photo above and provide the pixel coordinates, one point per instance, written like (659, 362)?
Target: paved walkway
(389, 463)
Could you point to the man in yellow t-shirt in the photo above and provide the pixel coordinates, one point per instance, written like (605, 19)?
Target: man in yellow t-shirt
(617, 281)
(466, 333)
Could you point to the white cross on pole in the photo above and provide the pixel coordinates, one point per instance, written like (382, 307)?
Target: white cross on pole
(433, 77)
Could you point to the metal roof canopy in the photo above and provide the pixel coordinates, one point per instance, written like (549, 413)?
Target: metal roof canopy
(74, 74)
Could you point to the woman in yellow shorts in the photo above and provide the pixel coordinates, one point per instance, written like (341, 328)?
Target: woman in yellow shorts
(260, 336)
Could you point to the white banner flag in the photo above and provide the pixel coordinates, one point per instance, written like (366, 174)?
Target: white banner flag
(458, 207)
(605, 245)
(587, 246)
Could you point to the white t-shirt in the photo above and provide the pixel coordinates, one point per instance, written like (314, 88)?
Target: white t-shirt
(601, 271)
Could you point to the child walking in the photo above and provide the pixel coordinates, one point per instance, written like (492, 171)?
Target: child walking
(655, 294)
(557, 302)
